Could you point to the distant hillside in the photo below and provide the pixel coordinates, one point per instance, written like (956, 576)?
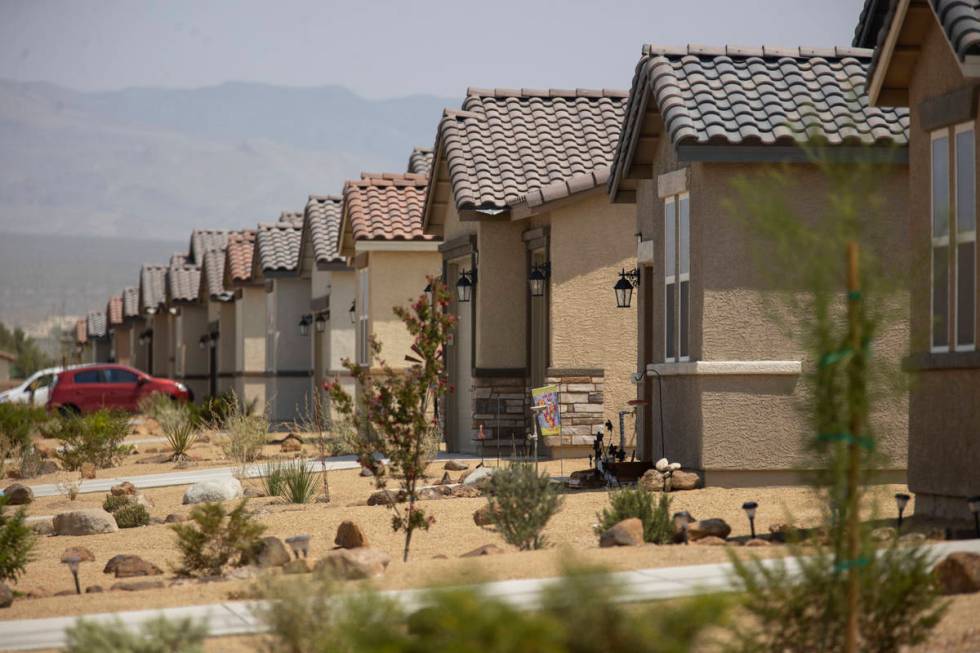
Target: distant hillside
(155, 163)
(46, 276)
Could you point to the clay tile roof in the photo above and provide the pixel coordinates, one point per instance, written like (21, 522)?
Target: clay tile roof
(294, 218)
(178, 258)
(131, 302)
(386, 206)
(183, 283)
(114, 310)
(153, 286)
(212, 273)
(95, 324)
(507, 143)
(205, 240)
(323, 215)
(420, 161)
(239, 255)
(81, 331)
(732, 95)
(277, 246)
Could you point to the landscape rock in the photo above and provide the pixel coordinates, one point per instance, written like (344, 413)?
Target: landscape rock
(6, 596)
(711, 540)
(681, 480)
(350, 536)
(662, 465)
(87, 470)
(137, 585)
(84, 522)
(143, 500)
(174, 518)
(80, 553)
(18, 494)
(123, 489)
(130, 566)
(485, 550)
(291, 445)
(66, 593)
(652, 481)
(628, 532)
(477, 475)
(297, 566)
(365, 472)
(708, 527)
(585, 479)
(94, 589)
(446, 479)
(220, 490)
(959, 573)
(674, 466)
(483, 516)
(386, 497)
(42, 526)
(354, 564)
(758, 542)
(253, 492)
(466, 492)
(271, 552)
(435, 492)
(912, 539)
(884, 534)
(455, 466)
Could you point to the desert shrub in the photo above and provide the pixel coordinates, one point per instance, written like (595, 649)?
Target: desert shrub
(245, 433)
(272, 477)
(113, 502)
(214, 411)
(521, 503)
(658, 527)
(156, 636)
(298, 482)
(17, 423)
(16, 542)
(179, 428)
(69, 486)
(29, 461)
(213, 538)
(94, 438)
(131, 516)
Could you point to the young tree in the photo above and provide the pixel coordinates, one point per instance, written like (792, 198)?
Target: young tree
(394, 413)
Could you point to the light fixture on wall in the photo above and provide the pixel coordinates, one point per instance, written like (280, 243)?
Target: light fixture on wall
(320, 322)
(151, 310)
(464, 285)
(202, 342)
(172, 310)
(353, 312)
(304, 324)
(213, 339)
(540, 273)
(628, 280)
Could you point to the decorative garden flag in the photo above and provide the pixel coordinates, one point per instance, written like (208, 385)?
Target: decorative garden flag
(549, 420)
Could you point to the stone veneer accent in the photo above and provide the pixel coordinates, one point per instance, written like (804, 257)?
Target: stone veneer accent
(580, 397)
(514, 401)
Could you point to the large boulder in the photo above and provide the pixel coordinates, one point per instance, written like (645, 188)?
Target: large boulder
(477, 475)
(350, 536)
(455, 466)
(224, 489)
(354, 564)
(652, 481)
(84, 522)
(681, 480)
(130, 566)
(628, 532)
(708, 528)
(18, 494)
(959, 573)
(271, 552)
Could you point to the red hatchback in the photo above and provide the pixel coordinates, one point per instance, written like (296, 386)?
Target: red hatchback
(86, 389)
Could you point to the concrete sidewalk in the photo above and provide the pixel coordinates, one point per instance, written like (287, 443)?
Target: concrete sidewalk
(237, 617)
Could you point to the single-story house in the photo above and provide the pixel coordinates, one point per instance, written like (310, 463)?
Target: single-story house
(130, 348)
(156, 334)
(220, 302)
(98, 345)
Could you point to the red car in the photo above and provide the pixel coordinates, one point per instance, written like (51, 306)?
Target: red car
(118, 387)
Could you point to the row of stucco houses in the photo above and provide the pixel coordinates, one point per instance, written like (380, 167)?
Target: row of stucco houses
(533, 204)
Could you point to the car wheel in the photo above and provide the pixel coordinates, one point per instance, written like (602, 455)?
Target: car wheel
(68, 410)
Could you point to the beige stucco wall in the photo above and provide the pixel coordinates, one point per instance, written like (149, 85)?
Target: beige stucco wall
(189, 325)
(250, 355)
(226, 345)
(162, 344)
(340, 333)
(501, 295)
(122, 344)
(287, 352)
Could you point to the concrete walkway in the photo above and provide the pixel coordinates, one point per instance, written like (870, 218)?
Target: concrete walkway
(187, 477)
(237, 618)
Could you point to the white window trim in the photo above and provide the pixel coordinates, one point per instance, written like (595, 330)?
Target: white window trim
(669, 277)
(675, 278)
(363, 323)
(937, 242)
(684, 276)
(965, 237)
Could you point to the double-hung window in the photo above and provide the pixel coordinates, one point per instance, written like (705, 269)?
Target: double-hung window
(966, 237)
(677, 277)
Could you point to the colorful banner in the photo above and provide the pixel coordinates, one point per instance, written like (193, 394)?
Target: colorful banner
(549, 420)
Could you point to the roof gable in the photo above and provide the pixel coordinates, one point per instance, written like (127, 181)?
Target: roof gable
(205, 240)
(153, 285)
(131, 302)
(383, 206)
(114, 310)
(276, 249)
(238, 258)
(321, 229)
(420, 161)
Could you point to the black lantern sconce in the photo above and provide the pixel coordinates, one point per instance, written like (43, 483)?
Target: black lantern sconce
(353, 312)
(536, 279)
(304, 324)
(628, 280)
(151, 310)
(320, 322)
(464, 285)
(202, 342)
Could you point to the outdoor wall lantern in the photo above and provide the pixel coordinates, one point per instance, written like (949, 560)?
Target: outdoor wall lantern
(464, 285)
(151, 310)
(628, 280)
(974, 503)
(172, 310)
(536, 280)
(353, 312)
(304, 324)
(320, 322)
(750, 507)
(202, 342)
(901, 500)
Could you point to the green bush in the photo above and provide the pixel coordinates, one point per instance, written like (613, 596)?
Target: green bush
(245, 434)
(17, 423)
(212, 538)
(94, 438)
(658, 526)
(179, 428)
(299, 482)
(521, 503)
(131, 516)
(156, 636)
(113, 502)
(273, 477)
(155, 405)
(213, 412)
(17, 540)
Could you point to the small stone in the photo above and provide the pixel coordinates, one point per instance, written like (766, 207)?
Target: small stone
(350, 536)
(884, 534)
(446, 479)
(18, 494)
(386, 497)
(758, 542)
(652, 481)
(466, 492)
(708, 527)
(123, 489)
(174, 518)
(585, 479)
(6, 596)
(137, 586)
(297, 566)
(87, 470)
(483, 516)
(94, 589)
(710, 540)
(354, 564)
(365, 472)
(271, 552)
(129, 566)
(440, 556)
(485, 550)
(207, 491)
(291, 445)
(84, 522)
(455, 466)
(674, 467)
(628, 532)
(80, 553)
(662, 465)
(959, 573)
(681, 480)
(912, 539)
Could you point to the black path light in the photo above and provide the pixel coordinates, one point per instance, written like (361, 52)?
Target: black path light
(304, 324)
(464, 285)
(901, 500)
(974, 504)
(540, 273)
(72, 562)
(628, 280)
(750, 507)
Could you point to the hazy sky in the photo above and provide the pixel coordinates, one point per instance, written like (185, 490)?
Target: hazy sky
(381, 48)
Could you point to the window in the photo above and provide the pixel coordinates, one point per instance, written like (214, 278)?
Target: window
(940, 240)
(363, 331)
(966, 237)
(120, 376)
(88, 376)
(677, 277)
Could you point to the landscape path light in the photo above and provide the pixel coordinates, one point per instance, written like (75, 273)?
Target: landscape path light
(974, 504)
(750, 507)
(901, 500)
(300, 544)
(628, 280)
(72, 562)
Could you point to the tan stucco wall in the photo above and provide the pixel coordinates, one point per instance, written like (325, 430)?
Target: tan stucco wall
(226, 345)
(250, 355)
(340, 332)
(287, 352)
(501, 295)
(162, 344)
(122, 344)
(591, 241)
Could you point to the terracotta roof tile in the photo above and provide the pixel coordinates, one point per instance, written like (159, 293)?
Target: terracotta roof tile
(386, 206)
(277, 246)
(322, 216)
(239, 256)
(420, 161)
(114, 310)
(183, 283)
(153, 286)
(131, 302)
(507, 143)
(81, 331)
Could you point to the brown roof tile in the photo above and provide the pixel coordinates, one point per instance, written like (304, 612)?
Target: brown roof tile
(114, 310)
(385, 206)
(238, 256)
(81, 331)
